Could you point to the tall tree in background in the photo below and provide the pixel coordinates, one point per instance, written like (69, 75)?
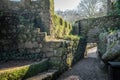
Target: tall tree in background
(85, 9)
(69, 15)
(92, 8)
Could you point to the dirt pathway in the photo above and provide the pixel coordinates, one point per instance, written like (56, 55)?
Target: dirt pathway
(86, 69)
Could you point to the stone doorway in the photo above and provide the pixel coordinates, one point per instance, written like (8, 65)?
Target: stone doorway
(91, 50)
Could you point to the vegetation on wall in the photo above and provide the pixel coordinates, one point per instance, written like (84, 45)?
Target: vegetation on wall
(109, 45)
(23, 72)
(52, 7)
(115, 8)
(61, 28)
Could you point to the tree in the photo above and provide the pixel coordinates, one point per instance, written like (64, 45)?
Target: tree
(69, 15)
(91, 8)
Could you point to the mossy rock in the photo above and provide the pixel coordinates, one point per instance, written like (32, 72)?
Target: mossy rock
(113, 52)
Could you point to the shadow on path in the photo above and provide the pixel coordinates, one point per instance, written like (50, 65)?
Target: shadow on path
(86, 69)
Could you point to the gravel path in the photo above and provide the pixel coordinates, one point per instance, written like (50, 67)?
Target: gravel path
(86, 69)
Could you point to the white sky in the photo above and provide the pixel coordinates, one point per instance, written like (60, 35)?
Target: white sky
(65, 4)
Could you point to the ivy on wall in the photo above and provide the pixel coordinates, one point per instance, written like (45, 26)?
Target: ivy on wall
(116, 8)
(60, 27)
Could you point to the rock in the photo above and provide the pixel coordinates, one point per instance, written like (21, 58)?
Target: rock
(35, 44)
(102, 43)
(49, 54)
(37, 50)
(28, 45)
(40, 45)
(113, 52)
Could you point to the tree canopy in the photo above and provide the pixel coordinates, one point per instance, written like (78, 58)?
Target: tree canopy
(92, 8)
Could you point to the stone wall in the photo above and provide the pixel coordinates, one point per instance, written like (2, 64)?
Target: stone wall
(94, 26)
(22, 42)
(109, 46)
(36, 12)
(19, 40)
(23, 30)
(22, 27)
(62, 54)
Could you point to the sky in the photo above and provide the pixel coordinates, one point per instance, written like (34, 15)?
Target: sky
(65, 4)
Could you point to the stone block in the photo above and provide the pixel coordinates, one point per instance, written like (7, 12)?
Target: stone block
(59, 52)
(47, 49)
(55, 62)
(22, 45)
(28, 45)
(40, 45)
(37, 50)
(49, 54)
(35, 44)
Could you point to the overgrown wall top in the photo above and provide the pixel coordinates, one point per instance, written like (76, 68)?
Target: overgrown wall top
(93, 27)
(60, 27)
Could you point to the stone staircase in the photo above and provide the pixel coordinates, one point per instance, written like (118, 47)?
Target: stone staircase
(47, 75)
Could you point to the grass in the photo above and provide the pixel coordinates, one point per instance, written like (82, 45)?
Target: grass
(23, 72)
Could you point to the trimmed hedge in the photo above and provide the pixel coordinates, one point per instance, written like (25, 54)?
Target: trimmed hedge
(61, 27)
(24, 72)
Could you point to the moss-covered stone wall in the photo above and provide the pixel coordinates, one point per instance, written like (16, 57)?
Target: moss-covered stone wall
(36, 12)
(91, 29)
(94, 26)
(22, 27)
(18, 39)
(23, 72)
(61, 54)
(109, 46)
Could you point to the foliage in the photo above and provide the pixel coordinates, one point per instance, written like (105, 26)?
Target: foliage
(102, 47)
(113, 47)
(116, 8)
(113, 31)
(108, 45)
(85, 9)
(61, 27)
(52, 6)
(23, 72)
(69, 15)
(71, 37)
(92, 8)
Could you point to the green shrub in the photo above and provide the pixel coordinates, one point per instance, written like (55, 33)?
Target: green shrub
(116, 8)
(71, 37)
(61, 27)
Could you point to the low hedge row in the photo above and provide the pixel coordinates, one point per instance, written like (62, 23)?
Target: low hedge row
(24, 72)
(61, 27)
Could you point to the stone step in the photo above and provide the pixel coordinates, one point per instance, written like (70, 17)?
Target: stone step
(48, 75)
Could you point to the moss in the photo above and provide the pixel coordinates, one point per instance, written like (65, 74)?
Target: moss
(23, 72)
(101, 45)
(71, 37)
(52, 7)
(61, 27)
